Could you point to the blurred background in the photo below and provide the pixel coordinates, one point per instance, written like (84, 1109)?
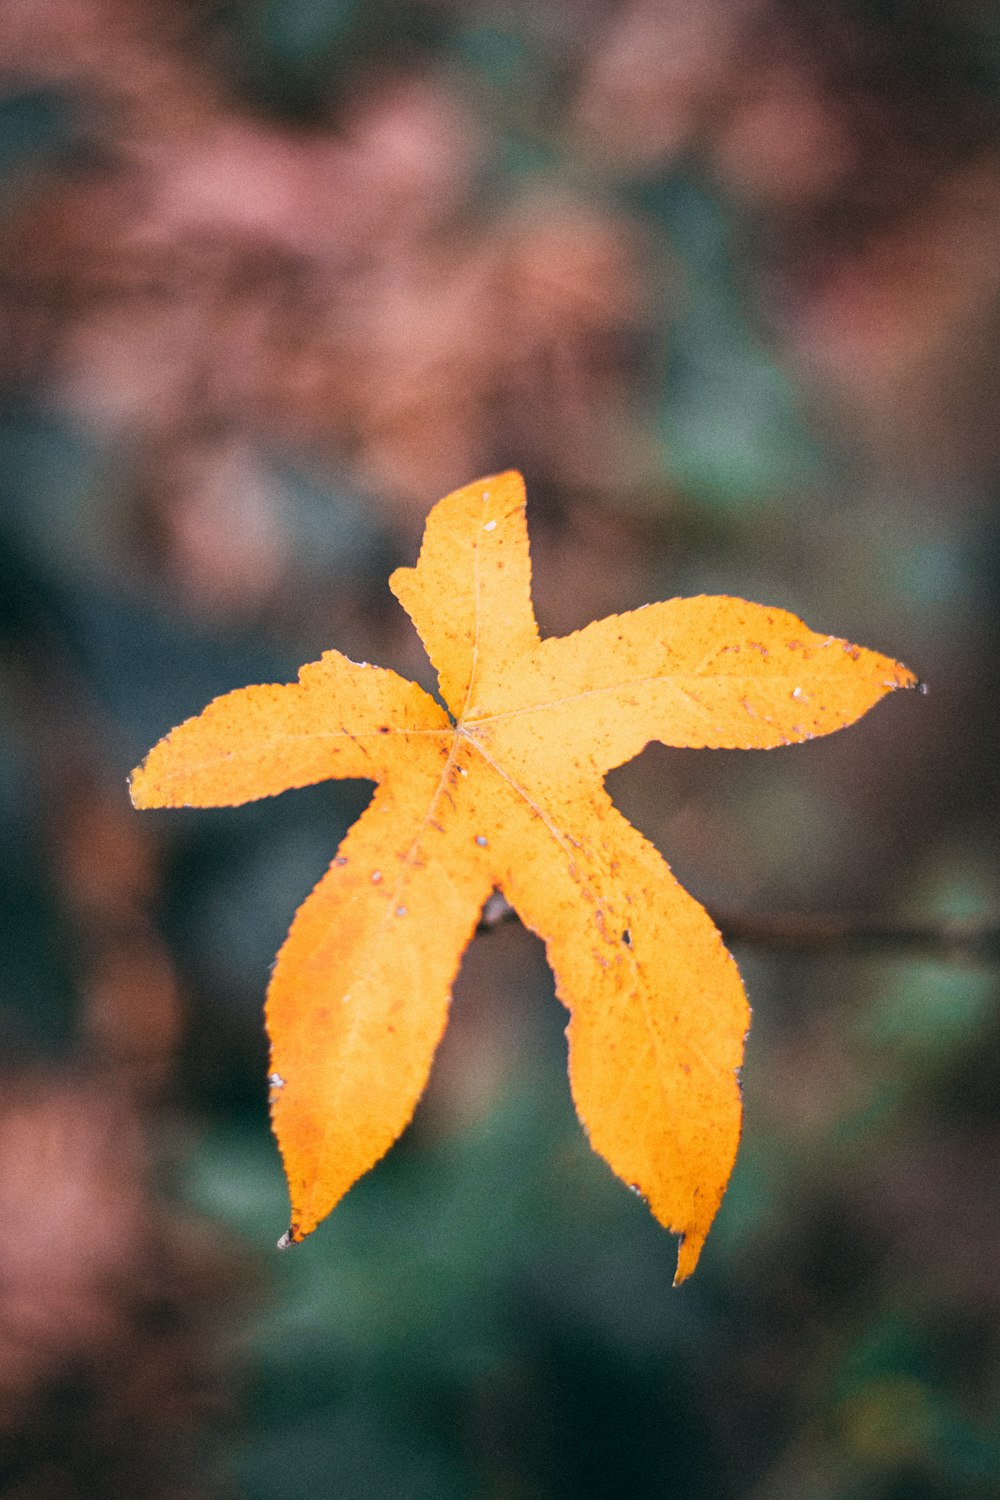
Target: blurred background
(722, 277)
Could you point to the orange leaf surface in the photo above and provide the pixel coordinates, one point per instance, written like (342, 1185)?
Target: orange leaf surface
(505, 790)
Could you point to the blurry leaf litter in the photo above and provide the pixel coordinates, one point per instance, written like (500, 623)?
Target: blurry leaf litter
(502, 789)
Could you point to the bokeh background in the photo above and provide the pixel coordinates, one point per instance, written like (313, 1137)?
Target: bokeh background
(722, 277)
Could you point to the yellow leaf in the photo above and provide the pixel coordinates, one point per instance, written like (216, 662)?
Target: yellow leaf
(505, 790)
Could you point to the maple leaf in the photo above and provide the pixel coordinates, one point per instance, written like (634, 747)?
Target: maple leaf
(503, 789)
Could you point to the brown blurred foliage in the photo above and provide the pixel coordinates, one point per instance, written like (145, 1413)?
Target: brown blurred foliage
(109, 1303)
(861, 142)
(116, 1305)
(210, 281)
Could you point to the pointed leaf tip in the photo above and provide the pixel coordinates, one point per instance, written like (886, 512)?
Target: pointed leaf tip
(689, 1248)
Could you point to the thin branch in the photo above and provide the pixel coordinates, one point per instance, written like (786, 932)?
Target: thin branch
(802, 933)
(796, 933)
